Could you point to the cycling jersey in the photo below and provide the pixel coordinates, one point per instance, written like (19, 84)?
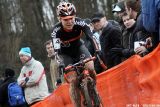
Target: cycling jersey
(71, 39)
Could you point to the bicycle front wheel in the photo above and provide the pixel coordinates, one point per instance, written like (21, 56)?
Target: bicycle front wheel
(93, 93)
(96, 98)
(87, 98)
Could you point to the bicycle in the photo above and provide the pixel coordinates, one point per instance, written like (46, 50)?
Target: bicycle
(86, 84)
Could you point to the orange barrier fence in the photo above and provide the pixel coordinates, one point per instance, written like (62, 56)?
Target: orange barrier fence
(133, 83)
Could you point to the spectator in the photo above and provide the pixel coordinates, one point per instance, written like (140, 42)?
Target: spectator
(132, 39)
(32, 77)
(8, 78)
(53, 64)
(133, 43)
(109, 38)
(119, 10)
(133, 10)
(129, 27)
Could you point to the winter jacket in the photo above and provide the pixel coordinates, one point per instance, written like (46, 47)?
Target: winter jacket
(110, 38)
(4, 91)
(151, 19)
(36, 88)
(136, 33)
(150, 15)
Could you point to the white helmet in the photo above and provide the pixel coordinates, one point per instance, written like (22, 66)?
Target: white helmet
(65, 9)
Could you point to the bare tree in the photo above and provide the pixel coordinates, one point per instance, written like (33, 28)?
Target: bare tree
(30, 22)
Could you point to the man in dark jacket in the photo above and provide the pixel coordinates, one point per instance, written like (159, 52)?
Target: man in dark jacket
(9, 78)
(109, 38)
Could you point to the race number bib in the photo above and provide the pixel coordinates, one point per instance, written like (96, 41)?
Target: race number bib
(56, 43)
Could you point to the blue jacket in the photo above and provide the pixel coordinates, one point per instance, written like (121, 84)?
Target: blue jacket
(150, 14)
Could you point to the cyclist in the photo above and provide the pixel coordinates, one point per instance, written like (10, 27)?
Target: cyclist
(69, 30)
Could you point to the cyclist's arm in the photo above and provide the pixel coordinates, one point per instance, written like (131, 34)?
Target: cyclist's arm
(56, 28)
(89, 34)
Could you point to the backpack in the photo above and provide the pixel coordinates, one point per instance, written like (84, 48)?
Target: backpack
(15, 94)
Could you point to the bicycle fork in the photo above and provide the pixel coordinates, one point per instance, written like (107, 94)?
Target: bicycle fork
(90, 84)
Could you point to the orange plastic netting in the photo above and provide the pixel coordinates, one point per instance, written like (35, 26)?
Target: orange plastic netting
(133, 83)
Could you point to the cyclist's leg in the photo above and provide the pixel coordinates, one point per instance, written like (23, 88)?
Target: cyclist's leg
(90, 65)
(73, 89)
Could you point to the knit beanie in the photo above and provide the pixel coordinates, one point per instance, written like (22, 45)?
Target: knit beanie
(25, 51)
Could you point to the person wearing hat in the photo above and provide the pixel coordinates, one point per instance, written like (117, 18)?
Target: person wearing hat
(118, 11)
(69, 31)
(32, 77)
(110, 37)
(25, 55)
(119, 8)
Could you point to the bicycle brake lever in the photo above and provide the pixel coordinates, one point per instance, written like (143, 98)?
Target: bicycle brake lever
(101, 62)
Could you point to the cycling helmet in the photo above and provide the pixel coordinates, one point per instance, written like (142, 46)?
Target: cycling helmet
(65, 9)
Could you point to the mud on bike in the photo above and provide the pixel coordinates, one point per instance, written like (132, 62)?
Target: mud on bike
(86, 84)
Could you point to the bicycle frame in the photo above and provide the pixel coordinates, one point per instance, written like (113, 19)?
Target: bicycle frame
(75, 68)
(86, 83)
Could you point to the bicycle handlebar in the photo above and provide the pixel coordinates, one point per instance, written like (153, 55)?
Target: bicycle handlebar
(80, 63)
